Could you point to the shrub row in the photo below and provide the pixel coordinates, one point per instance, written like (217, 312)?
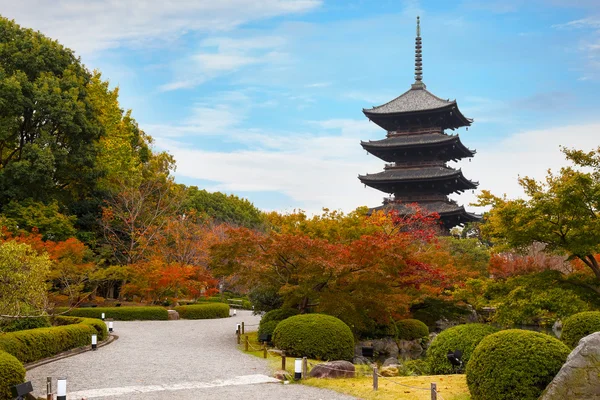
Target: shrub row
(121, 313)
(21, 324)
(203, 311)
(315, 336)
(12, 373)
(579, 326)
(36, 344)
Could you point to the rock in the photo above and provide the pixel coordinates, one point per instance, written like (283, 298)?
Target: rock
(557, 328)
(333, 369)
(579, 377)
(391, 370)
(410, 346)
(390, 361)
(385, 347)
(361, 361)
(173, 315)
(282, 375)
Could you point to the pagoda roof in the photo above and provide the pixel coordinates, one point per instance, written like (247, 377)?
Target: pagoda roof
(446, 209)
(417, 98)
(414, 174)
(411, 140)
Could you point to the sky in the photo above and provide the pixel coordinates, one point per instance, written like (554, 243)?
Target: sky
(263, 98)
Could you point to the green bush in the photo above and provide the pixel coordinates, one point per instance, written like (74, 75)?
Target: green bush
(21, 324)
(579, 326)
(203, 311)
(267, 328)
(315, 336)
(35, 344)
(12, 373)
(461, 337)
(275, 316)
(97, 324)
(411, 329)
(431, 310)
(415, 367)
(121, 313)
(514, 364)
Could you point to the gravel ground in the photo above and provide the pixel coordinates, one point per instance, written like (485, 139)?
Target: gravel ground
(185, 359)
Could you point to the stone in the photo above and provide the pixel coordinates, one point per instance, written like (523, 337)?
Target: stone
(360, 360)
(388, 371)
(579, 377)
(333, 369)
(385, 347)
(390, 361)
(410, 346)
(282, 375)
(173, 315)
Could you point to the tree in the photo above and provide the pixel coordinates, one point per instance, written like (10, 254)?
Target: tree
(23, 275)
(562, 212)
(223, 208)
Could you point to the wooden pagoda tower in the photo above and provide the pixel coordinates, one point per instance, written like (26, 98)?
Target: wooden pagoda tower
(417, 149)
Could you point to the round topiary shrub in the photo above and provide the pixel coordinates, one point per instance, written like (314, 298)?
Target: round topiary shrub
(514, 364)
(579, 326)
(279, 315)
(411, 329)
(267, 328)
(315, 336)
(461, 337)
(12, 373)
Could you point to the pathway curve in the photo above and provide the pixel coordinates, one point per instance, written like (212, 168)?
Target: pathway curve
(185, 359)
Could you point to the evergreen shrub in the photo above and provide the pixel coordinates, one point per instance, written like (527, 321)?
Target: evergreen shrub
(579, 326)
(12, 373)
(203, 311)
(415, 367)
(318, 336)
(514, 364)
(266, 322)
(122, 313)
(35, 344)
(21, 324)
(411, 329)
(461, 337)
(267, 328)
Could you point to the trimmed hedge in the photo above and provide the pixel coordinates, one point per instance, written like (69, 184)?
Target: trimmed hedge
(461, 337)
(203, 311)
(315, 336)
(579, 326)
(411, 329)
(514, 364)
(267, 328)
(21, 324)
(12, 373)
(36, 344)
(122, 313)
(274, 316)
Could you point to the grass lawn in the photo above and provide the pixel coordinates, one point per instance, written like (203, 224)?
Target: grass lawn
(450, 387)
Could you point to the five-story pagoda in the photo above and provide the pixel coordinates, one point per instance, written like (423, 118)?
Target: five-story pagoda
(417, 150)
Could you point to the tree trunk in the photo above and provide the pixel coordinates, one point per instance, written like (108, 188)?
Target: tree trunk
(591, 262)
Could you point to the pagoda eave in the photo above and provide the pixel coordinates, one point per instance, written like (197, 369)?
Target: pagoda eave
(391, 150)
(448, 117)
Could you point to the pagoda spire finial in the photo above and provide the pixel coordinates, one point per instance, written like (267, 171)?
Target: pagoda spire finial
(418, 55)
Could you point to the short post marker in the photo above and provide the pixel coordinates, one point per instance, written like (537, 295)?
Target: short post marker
(298, 369)
(304, 367)
(110, 326)
(61, 389)
(283, 360)
(239, 337)
(103, 316)
(433, 391)
(246, 343)
(49, 394)
(242, 327)
(375, 379)
(264, 349)
(94, 341)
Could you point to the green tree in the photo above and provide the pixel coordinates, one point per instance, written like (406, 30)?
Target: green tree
(562, 212)
(48, 127)
(23, 276)
(46, 219)
(223, 208)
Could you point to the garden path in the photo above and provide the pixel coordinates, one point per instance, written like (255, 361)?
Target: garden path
(185, 359)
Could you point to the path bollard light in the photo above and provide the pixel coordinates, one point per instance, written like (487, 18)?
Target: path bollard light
(103, 316)
(110, 326)
(298, 369)
(238, 329)
(61, 389)
(234, 312)
(94, 341)
(49, 395)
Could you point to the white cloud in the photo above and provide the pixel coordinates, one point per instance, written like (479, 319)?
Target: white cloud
(90, 26)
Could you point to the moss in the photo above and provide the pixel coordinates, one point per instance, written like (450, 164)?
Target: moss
(514, 364)
(12, 373)
(411, 329)
(579, 326)
(122, 313)
(316, 336)
(462, 337)
(203, 311)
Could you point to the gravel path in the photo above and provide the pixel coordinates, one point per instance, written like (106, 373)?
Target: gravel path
(185, 359)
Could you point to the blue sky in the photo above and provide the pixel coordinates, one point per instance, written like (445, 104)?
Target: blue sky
(263, 99)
